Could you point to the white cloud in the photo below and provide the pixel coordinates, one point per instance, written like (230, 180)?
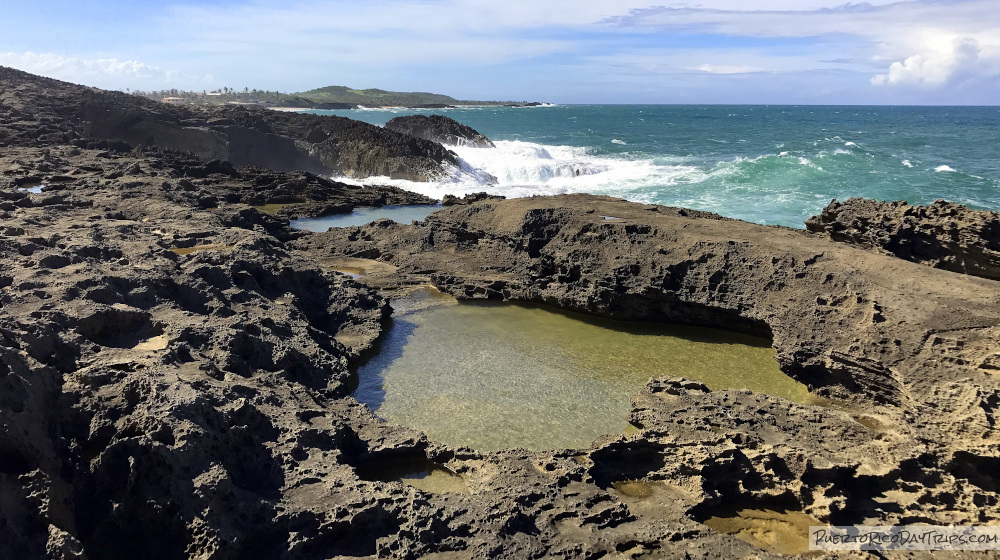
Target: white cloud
(666, 62)
(728, 69)
(353, 37)
(943, 62)
(888, 20)
(918, 43)
(477, 47)
(107, 73)
(382, 32)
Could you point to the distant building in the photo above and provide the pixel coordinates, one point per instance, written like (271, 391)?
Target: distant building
(177, 100)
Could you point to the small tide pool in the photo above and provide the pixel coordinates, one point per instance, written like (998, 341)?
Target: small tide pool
(778, 531)
(494, 376)
(402, 213)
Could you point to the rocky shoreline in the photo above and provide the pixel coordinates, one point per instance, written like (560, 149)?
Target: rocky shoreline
(441, 129)
(175, 365)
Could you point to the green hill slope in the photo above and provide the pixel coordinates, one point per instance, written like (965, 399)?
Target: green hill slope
(381, 97)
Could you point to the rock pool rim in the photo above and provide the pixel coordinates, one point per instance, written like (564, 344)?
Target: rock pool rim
(365, 215)
(760, 331)
(418, 378)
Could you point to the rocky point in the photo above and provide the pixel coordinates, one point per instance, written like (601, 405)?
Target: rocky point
(176, 362)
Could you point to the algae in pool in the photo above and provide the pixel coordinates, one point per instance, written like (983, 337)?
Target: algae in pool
(496, 376)
(784, 532)
(271, 208)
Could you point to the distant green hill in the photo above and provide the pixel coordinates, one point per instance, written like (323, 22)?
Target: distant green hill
(381, 97)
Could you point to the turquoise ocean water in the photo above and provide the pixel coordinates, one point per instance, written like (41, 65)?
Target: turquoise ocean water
(765, 164)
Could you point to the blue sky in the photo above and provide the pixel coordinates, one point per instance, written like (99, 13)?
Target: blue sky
(563, 51)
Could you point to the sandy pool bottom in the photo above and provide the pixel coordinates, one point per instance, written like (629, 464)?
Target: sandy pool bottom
(496, 376)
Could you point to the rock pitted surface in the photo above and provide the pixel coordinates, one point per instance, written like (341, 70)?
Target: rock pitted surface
(440, 128)
(175, 381)
(907, 350)
(40, 111)
(943, 235)
(175, 372)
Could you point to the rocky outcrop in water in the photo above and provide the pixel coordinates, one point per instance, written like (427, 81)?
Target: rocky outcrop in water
(943, 235)
(41, 112)
(452, 200)
(303, 194)
(439, 128)
(175, 372)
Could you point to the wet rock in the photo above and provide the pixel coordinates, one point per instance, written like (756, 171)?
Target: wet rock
(452, 200)
(441, 129)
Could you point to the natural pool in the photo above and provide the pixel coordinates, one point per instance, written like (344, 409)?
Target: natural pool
(782, 532)
(402, 213)
(495, 376)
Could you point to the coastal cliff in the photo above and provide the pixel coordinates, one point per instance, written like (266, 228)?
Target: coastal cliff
(41, 111)
(176, 365)
(439, 128)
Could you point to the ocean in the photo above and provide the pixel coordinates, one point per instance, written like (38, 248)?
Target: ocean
(764, 164)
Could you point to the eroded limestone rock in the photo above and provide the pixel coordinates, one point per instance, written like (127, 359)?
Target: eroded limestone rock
(943, 235)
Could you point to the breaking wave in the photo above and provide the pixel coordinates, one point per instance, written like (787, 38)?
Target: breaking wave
(518, 169)
(785, 185)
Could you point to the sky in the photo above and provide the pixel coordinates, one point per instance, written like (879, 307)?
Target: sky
(934, 52)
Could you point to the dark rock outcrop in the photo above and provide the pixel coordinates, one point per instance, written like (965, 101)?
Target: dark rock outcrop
(304, 194)
(439, 128)
(452, 200)
(40, 111)
(174, 383)
(943, 235)
(175, 370)
(910, 363)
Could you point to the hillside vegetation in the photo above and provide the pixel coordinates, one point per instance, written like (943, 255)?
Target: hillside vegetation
(330, 97)
(381, 97)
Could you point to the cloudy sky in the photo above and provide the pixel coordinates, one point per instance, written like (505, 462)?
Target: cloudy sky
(563, 51)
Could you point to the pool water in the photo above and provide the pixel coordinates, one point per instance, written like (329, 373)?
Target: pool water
(496, 376)
(401, 213)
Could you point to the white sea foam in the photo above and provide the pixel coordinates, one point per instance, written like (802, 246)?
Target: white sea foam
(617, 141)
(906, 163)
(850, 144)
(943, 169)
(519, 169)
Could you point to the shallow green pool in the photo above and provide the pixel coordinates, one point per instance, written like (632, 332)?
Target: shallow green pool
(491, 376)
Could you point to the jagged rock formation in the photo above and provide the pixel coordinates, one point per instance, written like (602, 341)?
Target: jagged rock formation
(452, 200)
(41, 111)
(174, 383)
(175, 371)
(942, 234)
(149, 391)
(439, 128)
(908, 350)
